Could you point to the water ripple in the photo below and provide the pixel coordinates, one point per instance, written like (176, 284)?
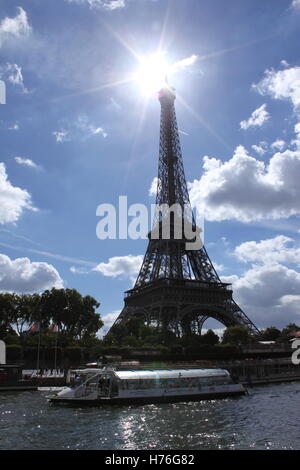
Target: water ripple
(265, 419)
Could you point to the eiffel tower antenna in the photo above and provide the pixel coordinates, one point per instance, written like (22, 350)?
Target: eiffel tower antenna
(177, 288)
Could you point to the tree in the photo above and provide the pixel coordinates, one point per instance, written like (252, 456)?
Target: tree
(116, 334)
(8, 304)
(25, 311)
(270, 334)
(74, 315)
(210, 338)
(236, 335)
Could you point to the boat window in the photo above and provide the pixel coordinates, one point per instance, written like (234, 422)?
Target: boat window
(206, 380)
(114, 388)
(221, 380)
(172, 382)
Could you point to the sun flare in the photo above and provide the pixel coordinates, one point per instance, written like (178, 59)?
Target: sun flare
(152, 74)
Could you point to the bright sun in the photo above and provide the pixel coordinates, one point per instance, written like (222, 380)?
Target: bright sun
(152, 74)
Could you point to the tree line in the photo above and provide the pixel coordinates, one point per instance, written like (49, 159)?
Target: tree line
(135, 333)
(64, 319)
(63, 310)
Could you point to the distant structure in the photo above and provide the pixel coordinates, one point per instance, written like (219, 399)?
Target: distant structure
(177, 288)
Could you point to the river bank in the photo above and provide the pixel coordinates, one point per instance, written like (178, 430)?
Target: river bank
(249, 372)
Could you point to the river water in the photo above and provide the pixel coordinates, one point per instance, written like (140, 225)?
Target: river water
(267, 418)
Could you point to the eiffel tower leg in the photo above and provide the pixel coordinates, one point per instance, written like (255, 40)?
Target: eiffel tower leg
(201, 320)
(186, 327)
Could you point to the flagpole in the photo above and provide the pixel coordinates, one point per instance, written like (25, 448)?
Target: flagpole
(38, 353)
(55, 354)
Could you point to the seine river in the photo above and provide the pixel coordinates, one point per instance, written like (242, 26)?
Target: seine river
(267, 418)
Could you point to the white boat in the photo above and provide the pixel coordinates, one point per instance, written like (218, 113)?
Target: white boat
(108, 386)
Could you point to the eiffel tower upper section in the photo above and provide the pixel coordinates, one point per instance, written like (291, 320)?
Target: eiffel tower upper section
(169, 258)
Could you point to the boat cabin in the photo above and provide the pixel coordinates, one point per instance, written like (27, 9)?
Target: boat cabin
(155, 382)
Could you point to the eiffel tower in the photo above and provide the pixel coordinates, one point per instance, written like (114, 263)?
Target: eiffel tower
(177, 288)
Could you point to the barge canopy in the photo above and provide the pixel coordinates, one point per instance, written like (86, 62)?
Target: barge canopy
(169, 374)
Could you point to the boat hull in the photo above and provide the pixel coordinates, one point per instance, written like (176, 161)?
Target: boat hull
(143, 400)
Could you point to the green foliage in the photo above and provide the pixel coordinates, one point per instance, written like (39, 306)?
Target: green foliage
(14, 352)
(11, 338)
(53, 352)
(75, 315)
(72, 313)
(225, 349)
(236, 335)
(73, 353)
(8, 303)
(210, 338)
(270, 334)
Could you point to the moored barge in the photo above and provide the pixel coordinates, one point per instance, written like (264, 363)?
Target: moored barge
(12, 380)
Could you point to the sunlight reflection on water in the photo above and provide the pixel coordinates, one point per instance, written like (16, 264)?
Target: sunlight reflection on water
(265, 419)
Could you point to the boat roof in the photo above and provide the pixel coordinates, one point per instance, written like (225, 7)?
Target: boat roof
(91, 370)
(168, 373)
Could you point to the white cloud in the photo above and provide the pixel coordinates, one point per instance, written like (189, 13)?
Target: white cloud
(279, 144)
(75, 270)
(13, 200)
(153, 187)
(15, 76)
(82, 128)
(269, 291)
(14, 127)
(257, 118)
(297, 131)
(281, 84)
(284, 63)
(13, 73)
(61, 136)
(18, 26)
(295, 4)
(9, 126)
(23, 276)
(219, 267)
(26, 162)
(120, 266)
(105, 4)
(261, 148)
(184, 63)
(109, 320)
(269, 294)
(246, 189)
(280, 249)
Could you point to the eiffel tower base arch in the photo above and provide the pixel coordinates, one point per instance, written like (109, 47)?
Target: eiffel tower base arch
(182, 306)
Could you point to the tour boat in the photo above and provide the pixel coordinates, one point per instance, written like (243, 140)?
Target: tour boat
(109, 386)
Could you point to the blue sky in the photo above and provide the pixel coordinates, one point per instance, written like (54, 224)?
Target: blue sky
(75, 132)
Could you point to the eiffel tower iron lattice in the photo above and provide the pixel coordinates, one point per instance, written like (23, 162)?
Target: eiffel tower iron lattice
(177, 287)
